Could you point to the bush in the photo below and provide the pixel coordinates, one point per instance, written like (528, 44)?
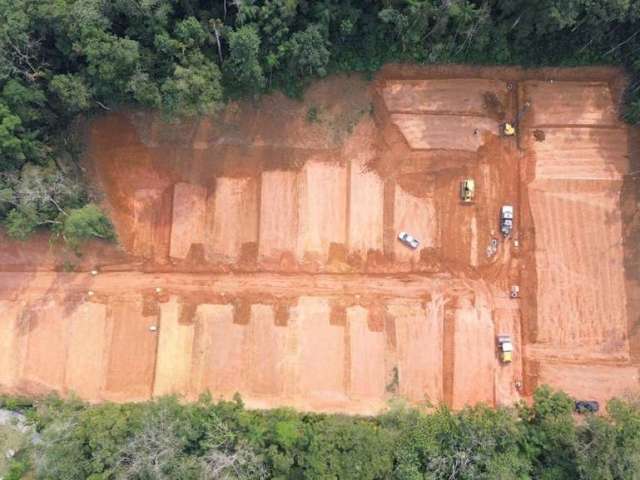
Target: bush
(82, 224)
(21, 222)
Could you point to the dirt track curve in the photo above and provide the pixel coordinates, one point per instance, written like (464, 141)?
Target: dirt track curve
(260, 254)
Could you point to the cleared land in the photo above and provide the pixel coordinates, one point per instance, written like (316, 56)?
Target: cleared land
(581, 335)
(278, 214)
(449, 132)
(235, 218)
(266, 261)
(461, 96)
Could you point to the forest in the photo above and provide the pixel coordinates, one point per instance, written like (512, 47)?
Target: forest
(62, 60)
(208, 440)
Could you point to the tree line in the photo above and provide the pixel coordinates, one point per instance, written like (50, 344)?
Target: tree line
(207, 440)
(61, 58)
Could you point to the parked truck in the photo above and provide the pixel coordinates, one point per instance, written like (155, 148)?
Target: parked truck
(505, 348)
(506, 220)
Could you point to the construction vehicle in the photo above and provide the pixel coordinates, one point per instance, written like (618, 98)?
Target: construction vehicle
(506, 220)
(505, 348)
(467, 190)
(508, 129)
(515, 291)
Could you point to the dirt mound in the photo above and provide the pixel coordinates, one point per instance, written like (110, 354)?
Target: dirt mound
(539, 135)
(494, 106)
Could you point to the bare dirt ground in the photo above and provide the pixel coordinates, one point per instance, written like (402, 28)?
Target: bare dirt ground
(259, 250)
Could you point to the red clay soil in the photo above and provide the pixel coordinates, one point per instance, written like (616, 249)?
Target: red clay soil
(259, 249)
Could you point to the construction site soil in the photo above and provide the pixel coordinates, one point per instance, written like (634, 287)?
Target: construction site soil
(259, 254)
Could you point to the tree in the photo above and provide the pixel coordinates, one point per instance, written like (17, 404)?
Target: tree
(190, 33)
(21, 222)
(159, 449)
(194, 89)
(21, 53)
(72, 91)
(59, 455)
(22, 110)
(111, 62)
(154, 451)
(39, 196)
(45, 190)
(307, 52)
(610, 446)
(223, 458)
(338, 447)
(552, 437)
(144, 90)
(13, 147)
(85, 223)
(478, 442)
(243, 69)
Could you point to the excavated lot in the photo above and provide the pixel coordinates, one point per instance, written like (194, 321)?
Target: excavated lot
(259, 249)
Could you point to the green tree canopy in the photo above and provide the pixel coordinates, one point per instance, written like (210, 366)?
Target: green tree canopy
(165, 438)
(243, 69)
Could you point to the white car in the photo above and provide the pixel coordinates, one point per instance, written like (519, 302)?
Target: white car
(408, 240)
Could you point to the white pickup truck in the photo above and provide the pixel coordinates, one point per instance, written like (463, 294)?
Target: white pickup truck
(408, 240)
(506, 220)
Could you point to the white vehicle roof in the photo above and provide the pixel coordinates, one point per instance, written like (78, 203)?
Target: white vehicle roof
(506, 346)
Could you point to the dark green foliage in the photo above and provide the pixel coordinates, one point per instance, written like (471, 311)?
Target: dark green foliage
(110, 61)
(21, 222)
(307, 53)
(194, 89)
(610, 445)
(167, 439)
(551, 440)
(72, 91)
(43, 196)
(475, 443)
(242, 67)
(85, 223)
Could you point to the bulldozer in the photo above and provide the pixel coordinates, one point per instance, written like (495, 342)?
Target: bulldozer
(505, 348)
(508, 129)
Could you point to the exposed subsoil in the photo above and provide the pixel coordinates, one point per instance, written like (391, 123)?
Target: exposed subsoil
(259, 253)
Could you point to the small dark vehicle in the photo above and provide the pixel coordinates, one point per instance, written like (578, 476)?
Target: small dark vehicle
(587, 406)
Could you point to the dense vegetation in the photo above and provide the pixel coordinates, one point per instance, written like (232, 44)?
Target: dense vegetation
(207, 440)
(60, 58)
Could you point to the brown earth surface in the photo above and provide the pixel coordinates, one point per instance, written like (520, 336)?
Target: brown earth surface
(259, 254)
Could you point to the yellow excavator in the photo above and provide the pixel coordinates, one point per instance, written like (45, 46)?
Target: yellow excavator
(508, 129)
(467, 190)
